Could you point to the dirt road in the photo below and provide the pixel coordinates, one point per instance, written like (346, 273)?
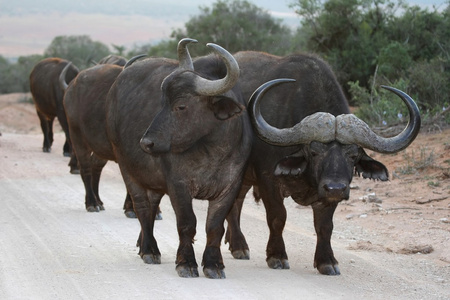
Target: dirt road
(51, 248)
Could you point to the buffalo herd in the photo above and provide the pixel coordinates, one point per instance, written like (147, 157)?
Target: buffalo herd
(212, 128)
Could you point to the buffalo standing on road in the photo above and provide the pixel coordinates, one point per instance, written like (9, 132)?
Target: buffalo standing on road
(48, 98)
(314, 155)
(199, 140)
(84, 103)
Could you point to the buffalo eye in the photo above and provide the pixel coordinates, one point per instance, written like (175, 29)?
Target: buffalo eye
(180, 107)
(314, 153)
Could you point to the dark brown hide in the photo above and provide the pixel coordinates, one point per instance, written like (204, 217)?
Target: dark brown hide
(48, 99)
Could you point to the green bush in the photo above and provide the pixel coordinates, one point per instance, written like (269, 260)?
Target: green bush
(381, 107)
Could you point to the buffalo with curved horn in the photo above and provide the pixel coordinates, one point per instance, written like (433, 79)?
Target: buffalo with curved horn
(84, 104)
(307, 146)
(324, 127)
(180, 128)
(48, 98)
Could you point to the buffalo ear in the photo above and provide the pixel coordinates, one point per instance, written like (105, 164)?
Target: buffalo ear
(372, 169)
(291, 166)
(225, 107)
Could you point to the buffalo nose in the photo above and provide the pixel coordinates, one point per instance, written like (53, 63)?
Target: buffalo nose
(335, 188)
(147, 145)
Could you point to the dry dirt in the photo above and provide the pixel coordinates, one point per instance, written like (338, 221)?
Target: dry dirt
(392, 239)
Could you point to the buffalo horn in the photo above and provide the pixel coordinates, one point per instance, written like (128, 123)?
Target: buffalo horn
(317, 127)
(184, 58)
(133, 59)
(62, 77)
(351, 130)
(324, 127)
(208, 87)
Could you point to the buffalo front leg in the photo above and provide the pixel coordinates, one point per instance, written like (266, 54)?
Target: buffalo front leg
(218, 210)
(186, 265)
(324, 259)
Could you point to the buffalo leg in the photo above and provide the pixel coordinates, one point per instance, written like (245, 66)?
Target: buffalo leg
(46, 126)
(276, 219)
(146, 205)
(234, 236)
(67, 148)
(86, 162)
(97, 165)
(73, 164)
(186, 265)
(324, 259)
(129, 209)
(218, 210)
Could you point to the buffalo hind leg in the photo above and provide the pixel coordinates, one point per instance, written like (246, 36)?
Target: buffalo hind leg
(97, 165)
(146, 205)
(324, 259)
(276, 219)
(73, 164)
(234, 237)
(129, 209)
(67, 148)
(47, 131)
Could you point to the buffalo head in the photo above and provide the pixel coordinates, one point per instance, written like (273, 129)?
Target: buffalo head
(331, 147)
(194, 103)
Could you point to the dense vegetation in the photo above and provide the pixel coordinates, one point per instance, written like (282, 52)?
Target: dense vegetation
(368, 43)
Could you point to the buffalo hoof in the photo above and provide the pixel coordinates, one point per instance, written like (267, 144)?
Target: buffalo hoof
(158, 216)
(214, 273)
(66, 154)
(241, 254)
(276, 263)
(74, 171)
(101, 207)
(329, 270)
(187, 271)
(152, 259)
(46, 150)
(130, 214)
(93, 209)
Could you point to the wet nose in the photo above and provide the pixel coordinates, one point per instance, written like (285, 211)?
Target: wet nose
(147, 145)
(335, 189)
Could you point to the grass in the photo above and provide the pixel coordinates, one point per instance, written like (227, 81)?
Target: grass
(416, 162)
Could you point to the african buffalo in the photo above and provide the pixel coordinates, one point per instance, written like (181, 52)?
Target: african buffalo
(48, 99)
(310, 150)
(199, 139)
(84, 103)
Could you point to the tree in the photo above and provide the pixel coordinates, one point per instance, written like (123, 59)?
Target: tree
(120, 50)
(420, 31)
(14, 77)
(80, 50)
(349, 34)
(166, 48)
(233, 24)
